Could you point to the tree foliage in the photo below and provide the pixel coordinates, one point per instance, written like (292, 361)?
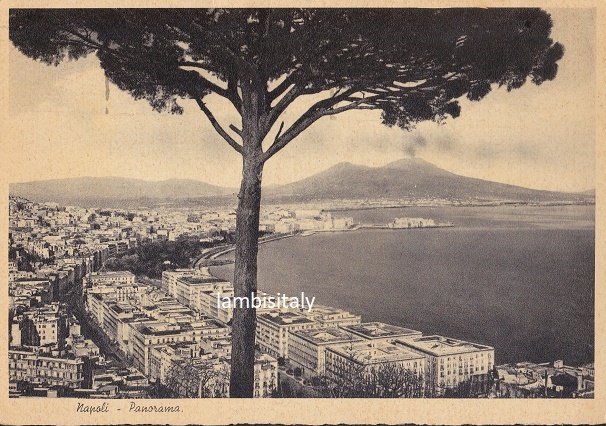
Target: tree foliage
(192, 379)
(149, 258)
(412, 64)
(381, 381)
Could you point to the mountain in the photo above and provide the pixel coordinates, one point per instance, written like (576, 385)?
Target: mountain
(112, 191)
(406, 178)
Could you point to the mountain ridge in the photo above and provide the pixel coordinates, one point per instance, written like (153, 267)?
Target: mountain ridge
(103, 189)
(404, 178)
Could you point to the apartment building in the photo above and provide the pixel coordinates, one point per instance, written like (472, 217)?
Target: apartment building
(307, 348)
(45, 369)
(169, 278)
(328, 316)
(346, 360)
(111, 277)
(451, 361)
(274, 328)
(146, 335)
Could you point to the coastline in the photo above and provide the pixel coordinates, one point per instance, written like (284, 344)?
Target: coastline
(214, 255)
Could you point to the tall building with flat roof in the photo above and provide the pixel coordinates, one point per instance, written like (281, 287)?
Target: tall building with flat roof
(451, 361)
(273, 331)
(328, 316)
(189, 289)
(146, 335)
(111, 277)
(169, 278)
(307, 348)
(365, 357)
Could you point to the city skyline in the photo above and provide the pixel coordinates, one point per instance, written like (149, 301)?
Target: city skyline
(540, 137)
(89, 252)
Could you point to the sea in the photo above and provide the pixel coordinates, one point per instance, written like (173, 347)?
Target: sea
(518, 278)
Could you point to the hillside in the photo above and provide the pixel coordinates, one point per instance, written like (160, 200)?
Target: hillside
(107, 191)
(406, 178)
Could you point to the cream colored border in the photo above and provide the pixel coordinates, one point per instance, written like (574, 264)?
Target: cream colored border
(46, 411)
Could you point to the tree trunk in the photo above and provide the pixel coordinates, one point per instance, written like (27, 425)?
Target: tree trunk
(247, 244)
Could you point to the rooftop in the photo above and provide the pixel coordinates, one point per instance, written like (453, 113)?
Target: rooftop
(366, 352)
(67, 356)
(200, 280)
(327, 335)
(379, 330)
(158, 329)
(440, 345)
(121, 308)
(321, 310)
(111, 274)
(285, 318)
(182, 345)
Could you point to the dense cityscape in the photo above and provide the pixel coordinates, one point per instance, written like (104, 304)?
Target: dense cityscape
(111, 303)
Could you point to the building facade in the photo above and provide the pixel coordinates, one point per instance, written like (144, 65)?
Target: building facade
(307, 348)
(351, 360)
(273, 330)
(45, 369)
(449, 362)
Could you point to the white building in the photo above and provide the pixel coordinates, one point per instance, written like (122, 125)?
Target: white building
(307, 348)
(345, 360)
(112, 277)
(327, 316)
(274, 328)
(451, 361)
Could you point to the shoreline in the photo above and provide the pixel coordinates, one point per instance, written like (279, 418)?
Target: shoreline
(212, 256)
(215, 255)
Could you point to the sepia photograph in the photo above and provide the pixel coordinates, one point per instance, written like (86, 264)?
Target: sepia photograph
(308, 204)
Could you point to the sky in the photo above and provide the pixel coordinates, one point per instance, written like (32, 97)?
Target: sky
(63, 123)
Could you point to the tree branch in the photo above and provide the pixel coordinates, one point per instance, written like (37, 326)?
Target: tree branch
(229, 93)
(212, 86)
(279, 131)
(219, 37)
(235, 145)
(236, 130)
(314, 113)
(232, 91)
(280, 107)
(297, 91)
(96, 45)
(281, 88)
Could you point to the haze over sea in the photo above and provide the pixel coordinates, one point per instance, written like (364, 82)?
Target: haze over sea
(520, 279)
